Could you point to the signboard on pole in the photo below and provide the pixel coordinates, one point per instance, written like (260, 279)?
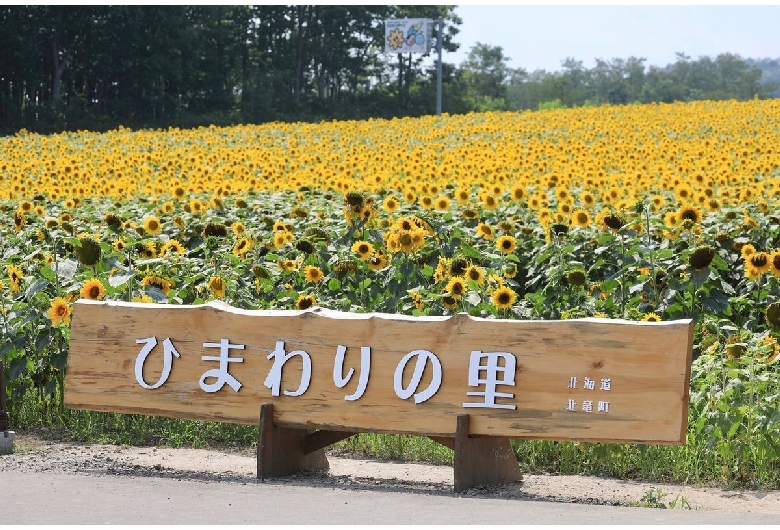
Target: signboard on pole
(408, 35)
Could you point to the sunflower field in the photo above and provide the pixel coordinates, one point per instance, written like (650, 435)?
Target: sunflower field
(642, 212)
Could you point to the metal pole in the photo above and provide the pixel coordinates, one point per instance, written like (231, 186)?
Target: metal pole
(438, 67)
(3, 415)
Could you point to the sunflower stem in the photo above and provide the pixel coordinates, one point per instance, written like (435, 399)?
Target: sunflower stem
(652, 260)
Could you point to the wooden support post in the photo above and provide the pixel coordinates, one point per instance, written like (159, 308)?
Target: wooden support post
(482, 460)
(321, 439)
(280, 450)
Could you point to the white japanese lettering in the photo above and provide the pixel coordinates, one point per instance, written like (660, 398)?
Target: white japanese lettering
(274, 379)
(168, 353)
(590, 384)
(571, 405)
(422, 357)
(490, 380)
(221, 374)
(603, 406)
(587, 406)
(365, 368)
(572, 382)
(606, 384)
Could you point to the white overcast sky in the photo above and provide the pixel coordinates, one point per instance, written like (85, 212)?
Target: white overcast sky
(541, 37)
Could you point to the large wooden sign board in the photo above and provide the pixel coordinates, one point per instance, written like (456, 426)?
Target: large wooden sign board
(588, 380)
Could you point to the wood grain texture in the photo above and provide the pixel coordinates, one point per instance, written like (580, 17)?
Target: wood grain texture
(647, 363)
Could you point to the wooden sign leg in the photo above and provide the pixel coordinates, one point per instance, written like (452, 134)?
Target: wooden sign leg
(482, 460)
(280, 450)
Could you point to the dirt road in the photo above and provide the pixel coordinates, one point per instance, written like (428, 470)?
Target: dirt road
(150, 476)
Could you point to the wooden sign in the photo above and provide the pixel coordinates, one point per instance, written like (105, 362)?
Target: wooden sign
(588, 379)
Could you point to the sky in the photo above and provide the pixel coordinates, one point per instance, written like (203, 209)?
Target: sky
(541, 37)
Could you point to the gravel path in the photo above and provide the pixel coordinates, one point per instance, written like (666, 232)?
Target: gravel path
(35, 455)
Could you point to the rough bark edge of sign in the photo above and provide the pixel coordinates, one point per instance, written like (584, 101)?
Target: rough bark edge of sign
(316, 311)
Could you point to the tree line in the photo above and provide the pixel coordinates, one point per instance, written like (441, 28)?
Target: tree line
(97, 67)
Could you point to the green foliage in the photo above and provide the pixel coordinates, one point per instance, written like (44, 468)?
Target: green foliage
(551, 105)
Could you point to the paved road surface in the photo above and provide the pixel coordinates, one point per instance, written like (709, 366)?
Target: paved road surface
(53, 498)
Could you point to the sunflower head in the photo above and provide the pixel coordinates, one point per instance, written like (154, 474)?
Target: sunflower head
(345, 267)
(305, 246)
(215, 230)
(364, 249)
(506, 244)
(701, 257)
(313, 274)
(315, 234)
(217, 285)
(456, 287)
(355, 200)
(577, 277)
(113, 221)
(260, 272)
(59, 312)
(458, 266)
(772, 315)
(92, 289)
(298, 212)
(88, 253)
(651, 317)
(613, 221)
(560, 229)
(469, 214)
(449, 302)
(475, 274)
(152, 225)
(735, 348)
(158, 283)
(509, 270)
(503, 297)
(304, 302)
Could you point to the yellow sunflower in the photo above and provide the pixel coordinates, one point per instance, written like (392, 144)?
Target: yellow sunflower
(242, 246)
(774, 260)
(19, 220)
(15, 274)
(442, 203)
(305, 302)
(580, 217)
(172, 246)
(59, 312)
(364, 249)
(378, 261)
(504, 298)
(390, 204)
(449, 302)
(143, 299)
(93, 289)
(152, 225)
(476, 274)
(217, 286)
(417, 299)
(757, 264)
(456, 287)
(747, 250)
(238, 228)
(313, 274)
(485, 230)
(506, 244)
(156, 281)
(651, 317)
